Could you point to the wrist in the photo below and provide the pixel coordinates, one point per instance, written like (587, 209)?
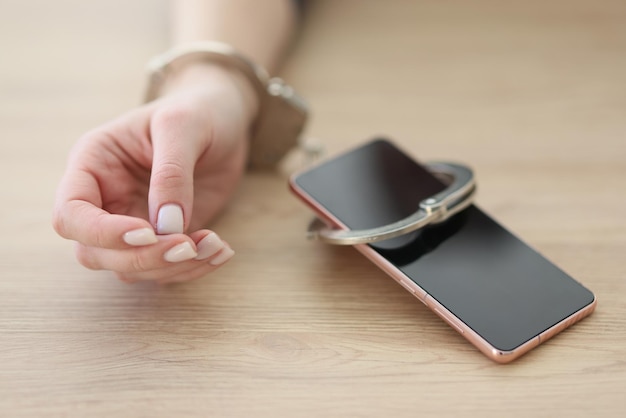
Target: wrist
(199, 76)
(276, 113)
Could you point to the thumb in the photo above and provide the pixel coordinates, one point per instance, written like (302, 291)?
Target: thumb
(170, 198)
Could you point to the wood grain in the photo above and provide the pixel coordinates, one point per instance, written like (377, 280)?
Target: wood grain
(531, 94)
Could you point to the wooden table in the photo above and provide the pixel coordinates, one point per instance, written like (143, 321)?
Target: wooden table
(531, 94)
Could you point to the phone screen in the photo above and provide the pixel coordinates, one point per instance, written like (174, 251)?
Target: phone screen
(486, 277)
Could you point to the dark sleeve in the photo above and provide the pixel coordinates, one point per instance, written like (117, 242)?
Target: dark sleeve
(300, 6)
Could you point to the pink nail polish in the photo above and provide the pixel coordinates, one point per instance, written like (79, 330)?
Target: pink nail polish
(140, 237)
(170, 219)
(222, 257)
(208, 246)
(181, 252)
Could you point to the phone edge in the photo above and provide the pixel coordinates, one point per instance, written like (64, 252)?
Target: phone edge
(490, 351)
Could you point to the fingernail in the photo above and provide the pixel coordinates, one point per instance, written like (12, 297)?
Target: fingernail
(170, 219)
(139, 237)
(208, 246)
(222, 257)
(181, 252)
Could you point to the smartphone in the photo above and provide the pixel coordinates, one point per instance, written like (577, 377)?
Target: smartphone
(488, 285)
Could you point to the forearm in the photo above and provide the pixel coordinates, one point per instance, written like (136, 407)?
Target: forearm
(259, 29)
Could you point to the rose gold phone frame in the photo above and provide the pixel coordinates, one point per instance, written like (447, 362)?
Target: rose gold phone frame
(479, 342)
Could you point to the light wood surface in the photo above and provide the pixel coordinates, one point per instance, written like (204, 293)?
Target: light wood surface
(532, 94)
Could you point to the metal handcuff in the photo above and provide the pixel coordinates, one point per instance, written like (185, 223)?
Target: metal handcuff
(432, 210)
(282, 114)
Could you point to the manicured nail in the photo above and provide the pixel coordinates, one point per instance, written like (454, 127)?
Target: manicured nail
(222, 257)
(170, 219)
(181, 252)
(209, 246)
(139, 237)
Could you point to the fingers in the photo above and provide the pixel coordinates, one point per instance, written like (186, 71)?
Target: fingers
(107, 176)
(77, 216)
(175, 257)
(176, 148)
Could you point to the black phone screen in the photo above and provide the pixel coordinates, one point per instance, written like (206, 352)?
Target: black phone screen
(489, 279)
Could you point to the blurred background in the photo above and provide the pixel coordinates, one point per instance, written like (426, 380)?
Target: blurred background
(501, 85)
(532, 94)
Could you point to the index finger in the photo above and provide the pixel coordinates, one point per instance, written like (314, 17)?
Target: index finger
(78, 215)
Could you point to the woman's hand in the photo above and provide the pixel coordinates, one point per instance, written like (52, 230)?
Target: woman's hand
(169, 166)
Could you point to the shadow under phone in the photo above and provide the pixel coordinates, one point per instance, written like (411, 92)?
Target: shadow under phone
(489, 285)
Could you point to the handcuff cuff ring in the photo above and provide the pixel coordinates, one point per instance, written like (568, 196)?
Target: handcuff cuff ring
(458, 195)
